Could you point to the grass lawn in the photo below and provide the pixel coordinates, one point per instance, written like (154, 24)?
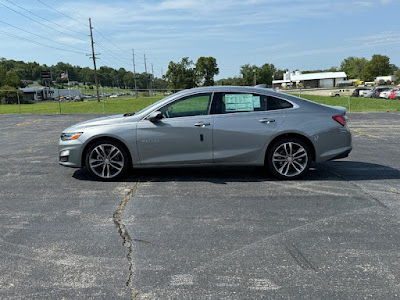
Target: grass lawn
(110, 106)
(132, 104)
(358, 104)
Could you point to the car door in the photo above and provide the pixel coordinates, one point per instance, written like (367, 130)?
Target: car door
(243, 127)
(182, 136)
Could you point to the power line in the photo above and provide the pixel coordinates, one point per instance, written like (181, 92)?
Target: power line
(114, 56)
(39, 22)
(42, 19)
(61, 13)
(38, 43)
(124, 61)
(75, 12)
(110, 41)
(97, 31)
(42, 37)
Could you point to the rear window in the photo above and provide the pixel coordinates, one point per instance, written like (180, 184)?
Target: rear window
(276, 103)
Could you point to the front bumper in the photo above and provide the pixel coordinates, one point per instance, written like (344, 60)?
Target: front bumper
(70, 153)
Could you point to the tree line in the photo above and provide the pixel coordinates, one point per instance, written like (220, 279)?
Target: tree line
(181, 75)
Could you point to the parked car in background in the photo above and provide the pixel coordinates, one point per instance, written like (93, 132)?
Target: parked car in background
(211, 126)
(359, 92)
(368, 94)
(375, 92)
(340, 93)
(395, 92)
(385, 94)
(363, 92)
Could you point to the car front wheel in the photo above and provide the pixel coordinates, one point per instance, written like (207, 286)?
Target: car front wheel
(289, 158)
(107, 160)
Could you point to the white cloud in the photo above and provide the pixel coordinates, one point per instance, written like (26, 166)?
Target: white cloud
(381, 39)
(71, 41)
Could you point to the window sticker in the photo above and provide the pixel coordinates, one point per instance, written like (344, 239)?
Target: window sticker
(256, 102)
(239, 102)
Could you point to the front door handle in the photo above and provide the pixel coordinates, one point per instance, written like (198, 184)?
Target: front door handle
(266, 120)
(201, 124)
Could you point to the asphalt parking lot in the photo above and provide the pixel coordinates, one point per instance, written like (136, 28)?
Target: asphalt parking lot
(229, 233)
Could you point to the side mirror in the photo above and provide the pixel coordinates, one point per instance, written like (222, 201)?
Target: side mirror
(155, 116)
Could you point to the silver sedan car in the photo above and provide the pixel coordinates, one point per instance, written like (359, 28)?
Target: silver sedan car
(211, 126)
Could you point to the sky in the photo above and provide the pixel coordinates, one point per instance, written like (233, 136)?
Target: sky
(290, 34)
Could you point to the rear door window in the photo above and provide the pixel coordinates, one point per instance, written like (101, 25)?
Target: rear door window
(224, 103)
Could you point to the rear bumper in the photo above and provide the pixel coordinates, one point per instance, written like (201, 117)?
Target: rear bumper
(342, 155)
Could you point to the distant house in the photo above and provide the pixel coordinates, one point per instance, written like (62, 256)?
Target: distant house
(33, 93)
(311, 80)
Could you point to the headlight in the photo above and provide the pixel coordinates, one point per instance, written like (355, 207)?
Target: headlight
(70, 136)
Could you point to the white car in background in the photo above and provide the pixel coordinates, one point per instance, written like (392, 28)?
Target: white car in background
(367, 94)
(385, 94)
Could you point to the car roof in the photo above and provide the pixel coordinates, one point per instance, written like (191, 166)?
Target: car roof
(230, 88)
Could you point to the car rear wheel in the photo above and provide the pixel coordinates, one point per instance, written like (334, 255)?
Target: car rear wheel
(289, 158)
(107, 160)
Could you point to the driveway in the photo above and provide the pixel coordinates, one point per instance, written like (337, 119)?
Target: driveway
(226, 233)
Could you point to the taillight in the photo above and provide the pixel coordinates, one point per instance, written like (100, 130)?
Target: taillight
(342, 120)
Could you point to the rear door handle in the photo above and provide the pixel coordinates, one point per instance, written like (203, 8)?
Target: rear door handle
(201, 124)
(266, 120)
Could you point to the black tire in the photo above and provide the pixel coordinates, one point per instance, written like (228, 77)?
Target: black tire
(107, 160)
(288, 158)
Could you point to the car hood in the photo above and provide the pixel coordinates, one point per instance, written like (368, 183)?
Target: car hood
(110, 120)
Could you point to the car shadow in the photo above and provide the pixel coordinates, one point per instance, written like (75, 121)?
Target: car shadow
(328, 171)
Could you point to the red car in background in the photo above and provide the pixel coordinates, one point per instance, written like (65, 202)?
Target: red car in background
(392, 94)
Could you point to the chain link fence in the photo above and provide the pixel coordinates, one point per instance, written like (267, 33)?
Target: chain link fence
(109, 101)
(116, 101)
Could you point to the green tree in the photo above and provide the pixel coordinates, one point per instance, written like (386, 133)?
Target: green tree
(231, 81)
(8, 95)
(265, 74)
(379, 65)
(160, 84)
(353, 66)
(12, 79)
(120, 75)
(249, 73)
(86, 76)
(207, 68)
(181, 75)
(393, 69)
(397, 74)
(3, 72)
(253, 75)
(278, 75)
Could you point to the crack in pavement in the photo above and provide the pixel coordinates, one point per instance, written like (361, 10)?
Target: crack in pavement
(127, 240)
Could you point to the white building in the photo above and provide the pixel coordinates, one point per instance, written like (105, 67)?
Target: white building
(310, 80)
(39, 94)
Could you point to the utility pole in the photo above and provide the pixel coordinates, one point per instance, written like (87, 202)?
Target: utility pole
(152, 76)
(145, 70)
(94, 61)
(134, 72)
